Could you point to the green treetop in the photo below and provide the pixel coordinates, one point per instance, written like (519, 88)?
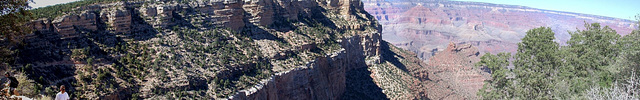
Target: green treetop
(535, 63)
(499, 87)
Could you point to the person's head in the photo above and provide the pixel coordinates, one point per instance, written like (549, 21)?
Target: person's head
(62, 88)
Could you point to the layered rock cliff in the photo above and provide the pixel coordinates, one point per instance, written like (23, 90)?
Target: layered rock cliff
(450, 35)
(255, 49)
(427, 26)
(322, 78)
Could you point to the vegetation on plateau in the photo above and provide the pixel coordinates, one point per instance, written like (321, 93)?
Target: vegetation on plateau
(61, 9)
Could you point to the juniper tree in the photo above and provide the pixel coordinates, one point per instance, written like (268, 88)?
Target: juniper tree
(499, 87)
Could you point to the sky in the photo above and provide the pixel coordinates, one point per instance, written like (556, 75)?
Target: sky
(625, 9)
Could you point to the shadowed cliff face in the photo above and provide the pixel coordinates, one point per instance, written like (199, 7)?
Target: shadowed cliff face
(427, 26)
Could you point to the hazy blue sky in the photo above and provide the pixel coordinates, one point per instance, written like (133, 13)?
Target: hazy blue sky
(625, 9)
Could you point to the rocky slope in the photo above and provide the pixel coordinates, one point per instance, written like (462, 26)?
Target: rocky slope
(233, 49)
(427, 26)
(455, 67)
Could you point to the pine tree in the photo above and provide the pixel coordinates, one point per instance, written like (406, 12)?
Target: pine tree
(14, 15)
(588, 57)
(499, 87)
(535, 63)
(593, 48)
(629, 54)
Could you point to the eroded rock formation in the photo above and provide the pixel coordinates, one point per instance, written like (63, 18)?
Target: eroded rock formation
(322, 78)
(455, 67)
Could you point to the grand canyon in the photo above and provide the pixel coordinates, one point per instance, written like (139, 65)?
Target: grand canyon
(275, 49)
(427, 26)
(436, 30)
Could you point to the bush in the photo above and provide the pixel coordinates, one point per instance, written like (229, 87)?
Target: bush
(49, 90)
(27, 87)
(628, 90)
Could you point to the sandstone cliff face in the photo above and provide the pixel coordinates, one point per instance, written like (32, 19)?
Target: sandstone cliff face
(119, 19)
(228, 13)
(427, 26)
(167, 49)
(90, 18)
(322, 78)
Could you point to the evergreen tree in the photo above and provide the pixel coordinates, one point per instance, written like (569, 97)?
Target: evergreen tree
(588, 57)
(13, 16)
(535, 63)
(499, 87)
(592, 49)
(629, 54)
(544, 71)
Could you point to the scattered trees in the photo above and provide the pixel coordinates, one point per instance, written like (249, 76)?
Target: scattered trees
(60, 9)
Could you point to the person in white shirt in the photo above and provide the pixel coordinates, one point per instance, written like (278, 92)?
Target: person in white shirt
(62, 95)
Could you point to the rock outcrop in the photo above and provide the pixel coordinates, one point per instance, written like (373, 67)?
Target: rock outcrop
(455, 67)
(322, 78)
(228, 13)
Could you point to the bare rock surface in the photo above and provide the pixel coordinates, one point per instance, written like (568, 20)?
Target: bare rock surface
(455, 67)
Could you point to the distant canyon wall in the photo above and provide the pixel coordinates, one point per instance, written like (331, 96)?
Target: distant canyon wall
(427, 26)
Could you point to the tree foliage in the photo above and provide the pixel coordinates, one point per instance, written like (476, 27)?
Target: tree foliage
(593, 57)
(588, 57)
(499, 73)
(535, 61)
(630, 51)
(592, 49)
(13, 16)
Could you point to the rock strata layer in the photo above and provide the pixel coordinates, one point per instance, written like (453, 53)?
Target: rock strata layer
(322, 78)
